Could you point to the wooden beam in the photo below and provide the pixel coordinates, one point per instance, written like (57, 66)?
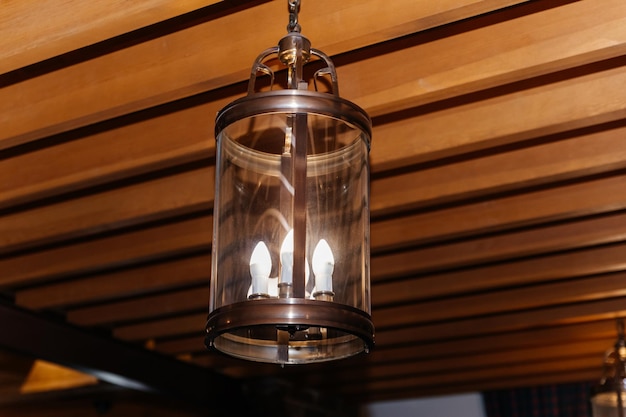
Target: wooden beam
(137, 144)
(191, 323)
(485, 52)
(120, 250)
(130, 205)
(465, 363)
(515, 244)
(610, 308)
(122, 158)
(464, 376)
(586, 155)
(500, 341)
(174, 302)
(155, 72)
(127, 282)
(36, 31)
(532, 208)
(478, 125)
(578, 375)
(122, 364)
(533, 271)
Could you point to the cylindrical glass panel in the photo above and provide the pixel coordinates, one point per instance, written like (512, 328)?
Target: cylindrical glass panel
(261, 308)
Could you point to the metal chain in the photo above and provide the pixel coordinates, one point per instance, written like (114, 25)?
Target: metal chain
(294, 6)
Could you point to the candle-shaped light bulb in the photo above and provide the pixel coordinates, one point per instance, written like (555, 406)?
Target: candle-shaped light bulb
(260, 268)
(323, 266)
(286, 259)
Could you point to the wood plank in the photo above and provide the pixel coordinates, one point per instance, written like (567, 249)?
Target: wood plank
(123, 365)
(185, 193)
(603, 195)
(565, 159)
(487, 123)
(92, 165)
(162, 70)
(127, 282)
(448, 63)
(35, 30)
(536, 270)
(540, 296)
(462, 362)
(578, 375)
(130, 205)
(515, 244)
(186, 324)
(502, 341)
(120, 250)
(550, 316)
(174, 302)
(462, 376)
(161, 138)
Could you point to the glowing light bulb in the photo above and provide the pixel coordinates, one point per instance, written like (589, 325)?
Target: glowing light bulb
(260, 268)
(323, 266)
(286, 259)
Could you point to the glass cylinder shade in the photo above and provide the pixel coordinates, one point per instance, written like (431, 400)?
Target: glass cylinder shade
(290, 265)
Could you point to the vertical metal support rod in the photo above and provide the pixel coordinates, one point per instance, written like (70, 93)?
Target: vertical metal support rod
(299, 205)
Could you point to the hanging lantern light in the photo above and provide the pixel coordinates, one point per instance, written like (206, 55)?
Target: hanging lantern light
(608, 398)
(290, 265)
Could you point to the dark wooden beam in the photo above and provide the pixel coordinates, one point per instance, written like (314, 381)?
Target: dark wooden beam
(118, 363)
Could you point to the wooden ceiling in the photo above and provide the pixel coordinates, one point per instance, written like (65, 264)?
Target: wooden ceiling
(498, 178)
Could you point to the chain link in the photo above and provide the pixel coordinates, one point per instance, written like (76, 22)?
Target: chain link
(294, 6)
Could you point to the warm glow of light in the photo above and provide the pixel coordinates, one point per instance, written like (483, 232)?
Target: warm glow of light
(260, 268)
(46, 376)
(286, 259)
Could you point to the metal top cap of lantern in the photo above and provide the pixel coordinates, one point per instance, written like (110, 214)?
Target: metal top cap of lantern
(294, 51)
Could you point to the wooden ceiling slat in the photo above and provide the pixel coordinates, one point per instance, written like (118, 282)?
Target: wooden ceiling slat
(147, 307)
(463, 376)
(462, 362)
(158, 142)
(493, 54)
(160, 198)
(56, 30)
(574, 376)
(193, 323)
(187, 192)
(127, 162)
(602, 195)
(573, 313)
(586, 154)
(139, 246)
(128, 282)
(162, 70)
(580, 263)
(509, 118)
(519, 243)
(497, 342)
(502, 301)
(144, 152)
